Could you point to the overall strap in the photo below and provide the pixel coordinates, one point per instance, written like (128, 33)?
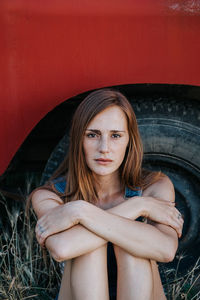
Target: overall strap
(60, 185)
(132, 193)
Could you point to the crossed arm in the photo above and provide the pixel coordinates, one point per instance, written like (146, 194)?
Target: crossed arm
(78, 227)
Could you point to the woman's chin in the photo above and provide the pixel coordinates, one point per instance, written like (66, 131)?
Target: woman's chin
(103, 172)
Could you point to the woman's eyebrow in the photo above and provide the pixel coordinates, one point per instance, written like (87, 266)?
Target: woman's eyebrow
(117, 130)
(94, 130)
(98, 131)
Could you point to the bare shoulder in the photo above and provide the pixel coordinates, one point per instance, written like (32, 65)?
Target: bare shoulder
(162, 189)
(43, 200)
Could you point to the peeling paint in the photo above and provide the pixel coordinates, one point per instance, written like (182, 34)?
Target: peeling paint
(191, 7)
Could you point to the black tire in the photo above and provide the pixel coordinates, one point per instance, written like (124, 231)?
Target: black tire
(171, 136)
(171, 140)
(55, 158)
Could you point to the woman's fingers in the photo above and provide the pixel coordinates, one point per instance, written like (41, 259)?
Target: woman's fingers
(47, 225)
(180, 223)
(176, 221)
(171, 216)
(164, 212)
(178, 228)
(42, 232)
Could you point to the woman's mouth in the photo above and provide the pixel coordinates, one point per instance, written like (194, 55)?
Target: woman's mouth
(103, 161)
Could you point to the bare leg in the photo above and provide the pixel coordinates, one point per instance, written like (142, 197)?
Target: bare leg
(136, 278)
(65, 288)
(158, 292)
(86, 278)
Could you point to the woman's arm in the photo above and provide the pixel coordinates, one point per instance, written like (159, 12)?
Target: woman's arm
(137, 238)
(158, 241)
(79, 240)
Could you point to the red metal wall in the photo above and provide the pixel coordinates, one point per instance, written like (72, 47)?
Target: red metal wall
(53, 50)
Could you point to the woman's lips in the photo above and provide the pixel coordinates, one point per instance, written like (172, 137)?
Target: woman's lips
(103, 161)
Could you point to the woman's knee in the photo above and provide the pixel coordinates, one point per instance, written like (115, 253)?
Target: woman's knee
(91, 266)
(100, 252)
(123, 258)
(132, 273)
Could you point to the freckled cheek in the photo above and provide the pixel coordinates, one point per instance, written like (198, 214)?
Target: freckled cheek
(89, 149)
(121, 152)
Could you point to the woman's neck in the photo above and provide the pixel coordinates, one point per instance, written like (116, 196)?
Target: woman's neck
(108, 186)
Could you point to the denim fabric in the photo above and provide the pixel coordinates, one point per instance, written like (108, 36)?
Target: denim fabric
(60, 185)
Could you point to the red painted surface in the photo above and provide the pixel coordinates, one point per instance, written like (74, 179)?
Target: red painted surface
(53, 50)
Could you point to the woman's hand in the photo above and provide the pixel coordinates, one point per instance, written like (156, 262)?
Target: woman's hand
(164, 212)
(58, 219)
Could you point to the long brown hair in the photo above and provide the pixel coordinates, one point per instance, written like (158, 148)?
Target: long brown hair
(79, 178)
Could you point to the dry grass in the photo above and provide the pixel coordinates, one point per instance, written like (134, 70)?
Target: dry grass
(183, 286)
(24, 272)
(25, 275)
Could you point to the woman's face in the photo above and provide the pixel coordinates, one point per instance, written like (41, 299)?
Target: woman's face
(105, 141)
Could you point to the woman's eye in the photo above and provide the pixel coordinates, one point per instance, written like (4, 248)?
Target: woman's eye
(91, 135)
(116, 135)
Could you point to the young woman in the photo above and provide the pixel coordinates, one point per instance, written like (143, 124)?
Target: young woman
(96, 199)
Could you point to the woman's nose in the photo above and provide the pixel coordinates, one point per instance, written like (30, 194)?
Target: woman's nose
(104, 145)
